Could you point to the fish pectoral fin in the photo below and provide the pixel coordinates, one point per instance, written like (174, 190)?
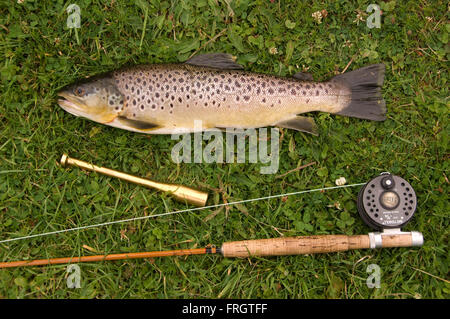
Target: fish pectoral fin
(300, 123)
(137, 125)
(303, 76)
(215, 60)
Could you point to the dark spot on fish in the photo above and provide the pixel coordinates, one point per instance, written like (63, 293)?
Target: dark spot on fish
(194, 92)
(187, 97)
(304, 92)
(317, 92)
(271, 91)
(181, 80)
(180, 100)
(145, 83)
(307, 101)
(258, 91)
(249, 87)
(172, 97)
(227, 87)
(170, 76)
(237, 98)
(157, 94)
(222, 76)
(326, 91)
(162, 107)
(171, 104)
(293, 92)
(142, 106)
(134, 102)
(281, 90)
(246, 97)
(138, 80)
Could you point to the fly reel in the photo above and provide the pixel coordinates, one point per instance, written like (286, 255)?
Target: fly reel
(387, 201)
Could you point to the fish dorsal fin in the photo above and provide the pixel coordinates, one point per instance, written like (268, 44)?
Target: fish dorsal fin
(303, 76)
(215, 60)
(136, 124)
(300, 123)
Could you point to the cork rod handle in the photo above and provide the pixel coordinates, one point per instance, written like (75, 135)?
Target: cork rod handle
(308, 245)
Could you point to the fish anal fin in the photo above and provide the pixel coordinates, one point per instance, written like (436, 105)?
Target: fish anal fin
(300, 123)
(137, 124)
(303, 76)
(223, 61)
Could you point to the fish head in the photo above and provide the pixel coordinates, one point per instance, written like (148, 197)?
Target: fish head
(98, 100)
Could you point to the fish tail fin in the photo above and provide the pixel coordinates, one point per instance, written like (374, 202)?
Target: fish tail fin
(366, 101)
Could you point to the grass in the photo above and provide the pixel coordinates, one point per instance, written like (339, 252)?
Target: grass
(36, 195)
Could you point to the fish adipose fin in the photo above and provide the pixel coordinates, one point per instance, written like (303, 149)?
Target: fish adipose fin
(136, 124)
(215, 60)
(303, 76)
(300, 123)
(365, 85)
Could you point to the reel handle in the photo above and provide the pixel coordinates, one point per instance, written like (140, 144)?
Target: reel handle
(318, 244)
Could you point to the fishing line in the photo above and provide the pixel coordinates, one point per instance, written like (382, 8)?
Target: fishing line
(175, 212)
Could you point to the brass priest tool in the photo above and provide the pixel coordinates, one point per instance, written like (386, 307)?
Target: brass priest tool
(179, 192)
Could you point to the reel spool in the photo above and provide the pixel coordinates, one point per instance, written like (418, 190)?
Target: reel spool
(387, 201)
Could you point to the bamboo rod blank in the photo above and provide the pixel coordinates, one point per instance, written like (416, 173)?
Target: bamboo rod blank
(68, 260)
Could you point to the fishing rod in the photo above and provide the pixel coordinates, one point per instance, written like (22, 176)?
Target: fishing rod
(386, 203)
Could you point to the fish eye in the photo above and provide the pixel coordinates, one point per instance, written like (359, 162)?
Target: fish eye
(79, 91)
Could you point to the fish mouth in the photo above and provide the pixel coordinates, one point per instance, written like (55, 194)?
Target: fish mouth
(75, 106)
(69, 104)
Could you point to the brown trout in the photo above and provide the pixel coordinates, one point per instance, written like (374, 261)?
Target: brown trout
(213, 89)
